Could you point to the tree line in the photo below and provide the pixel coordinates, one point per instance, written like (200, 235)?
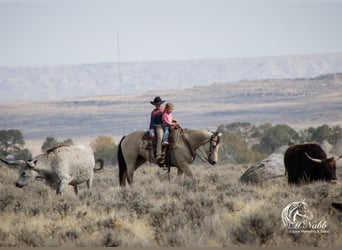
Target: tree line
(12, 146)
(242, 142)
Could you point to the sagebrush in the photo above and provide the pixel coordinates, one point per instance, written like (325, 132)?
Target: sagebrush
(214, 210)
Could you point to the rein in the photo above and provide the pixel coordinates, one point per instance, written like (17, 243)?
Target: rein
(211, 140)
(192, 152)
(203, 160)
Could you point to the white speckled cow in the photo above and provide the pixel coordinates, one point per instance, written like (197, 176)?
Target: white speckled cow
(58, 167)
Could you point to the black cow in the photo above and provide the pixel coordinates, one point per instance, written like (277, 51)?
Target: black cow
(308, 162)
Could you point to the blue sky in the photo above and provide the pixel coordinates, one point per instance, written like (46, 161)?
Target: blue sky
(50, 32)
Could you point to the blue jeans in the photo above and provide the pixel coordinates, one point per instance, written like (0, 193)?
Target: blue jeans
(166, 133)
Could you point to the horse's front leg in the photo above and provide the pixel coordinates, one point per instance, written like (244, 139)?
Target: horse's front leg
(179, 172)
(185, 168)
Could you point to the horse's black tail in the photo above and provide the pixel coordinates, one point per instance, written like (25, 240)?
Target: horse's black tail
(122, 164)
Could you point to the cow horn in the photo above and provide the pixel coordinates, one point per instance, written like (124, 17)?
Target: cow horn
(313, 159)
(31, 164)
(12, 163)
(338, 158)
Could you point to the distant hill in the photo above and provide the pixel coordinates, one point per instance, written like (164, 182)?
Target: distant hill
(300, 103)
(72, 81)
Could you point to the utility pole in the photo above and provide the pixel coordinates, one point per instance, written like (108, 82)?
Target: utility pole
(119, 66)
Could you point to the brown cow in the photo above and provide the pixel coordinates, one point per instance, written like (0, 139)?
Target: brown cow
(308, 162)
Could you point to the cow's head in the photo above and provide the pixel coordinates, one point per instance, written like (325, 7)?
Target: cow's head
(328, 165)
(26, 171)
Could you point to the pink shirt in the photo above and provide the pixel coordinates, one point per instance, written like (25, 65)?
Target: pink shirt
(167, 119)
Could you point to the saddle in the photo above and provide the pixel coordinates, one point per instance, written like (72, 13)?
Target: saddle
(152, 143)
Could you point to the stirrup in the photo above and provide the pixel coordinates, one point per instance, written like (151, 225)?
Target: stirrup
(160, 160)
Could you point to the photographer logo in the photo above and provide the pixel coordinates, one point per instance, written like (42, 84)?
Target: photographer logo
(298, 218)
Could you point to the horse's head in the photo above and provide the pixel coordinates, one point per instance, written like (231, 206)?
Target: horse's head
(212, 147)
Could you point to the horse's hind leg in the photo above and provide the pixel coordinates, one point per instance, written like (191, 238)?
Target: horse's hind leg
(130, 174)
(131, 168)
(130, 177)
(123, 179)
(76, 189)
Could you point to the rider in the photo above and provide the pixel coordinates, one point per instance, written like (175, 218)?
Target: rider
(168, 122)
(156, 124)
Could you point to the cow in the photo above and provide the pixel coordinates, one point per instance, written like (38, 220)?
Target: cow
(58, 167)
(308, 162)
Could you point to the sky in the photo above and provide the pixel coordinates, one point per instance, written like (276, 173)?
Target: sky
(56, 32)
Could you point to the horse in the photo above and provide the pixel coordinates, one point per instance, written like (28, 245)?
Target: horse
(133, 151)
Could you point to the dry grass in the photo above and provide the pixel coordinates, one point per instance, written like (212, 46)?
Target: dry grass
(213, 211)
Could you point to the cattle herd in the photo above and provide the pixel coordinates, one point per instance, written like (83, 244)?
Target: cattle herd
(75, 164)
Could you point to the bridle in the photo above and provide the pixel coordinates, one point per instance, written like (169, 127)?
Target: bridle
(214, 141)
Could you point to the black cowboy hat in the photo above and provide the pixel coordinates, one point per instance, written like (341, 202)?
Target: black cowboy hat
(157, 101)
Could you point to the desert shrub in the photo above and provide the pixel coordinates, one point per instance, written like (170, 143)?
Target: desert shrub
(213, 211)
(316, 191)
(7, 200)
(111, 239)
(309, 239)
(28, 238)
(255, 227)
(30, 206)
(188, 184)
(212, 178)
(50, 241)
(231, 205)
(197, 208)
(109, 223)
(134, 201)
(3, 237)
(105, 148)
(64, 208)
(72, 234)
(166, 221)
(51, 142)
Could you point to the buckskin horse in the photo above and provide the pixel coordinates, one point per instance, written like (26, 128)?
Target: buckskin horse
(133, 151)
